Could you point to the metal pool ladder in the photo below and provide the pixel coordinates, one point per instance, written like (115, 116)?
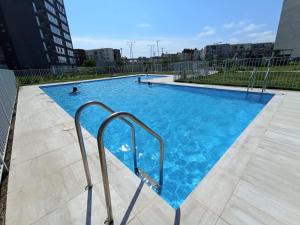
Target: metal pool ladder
(252, 80)
(123, 116)
(265, 82)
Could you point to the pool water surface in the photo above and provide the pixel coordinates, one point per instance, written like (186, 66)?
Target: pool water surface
(197, 125)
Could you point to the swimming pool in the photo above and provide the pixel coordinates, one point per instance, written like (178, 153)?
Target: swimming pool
(197, 125)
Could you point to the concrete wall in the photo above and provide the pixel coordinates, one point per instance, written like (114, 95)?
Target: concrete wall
(8, 91)
(288, 35)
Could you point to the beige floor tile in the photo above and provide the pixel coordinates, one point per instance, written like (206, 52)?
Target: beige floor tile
(222, 222)
(157, 212)
(240, 212)
(193, 213)
(269, 203)
(215, 189)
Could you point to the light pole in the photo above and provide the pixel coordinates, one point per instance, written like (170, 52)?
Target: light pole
(157, 45)
(131, 43)
(151, 49)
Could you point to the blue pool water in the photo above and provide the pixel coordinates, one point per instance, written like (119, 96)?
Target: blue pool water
(198, 125)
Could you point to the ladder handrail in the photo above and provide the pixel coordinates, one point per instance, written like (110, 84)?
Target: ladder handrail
(265, 81)
(81, 142)
(101, 149)
(100, 140)
(252, 79)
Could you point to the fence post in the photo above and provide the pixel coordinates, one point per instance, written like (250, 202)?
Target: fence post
(225, 69)
(40, 75)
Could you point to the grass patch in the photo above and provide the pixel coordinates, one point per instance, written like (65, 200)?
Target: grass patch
(68, 77)
(52, 78)
(278, 79)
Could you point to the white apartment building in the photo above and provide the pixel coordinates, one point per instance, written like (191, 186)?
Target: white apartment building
(102, 56)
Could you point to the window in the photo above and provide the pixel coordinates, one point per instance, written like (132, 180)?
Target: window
(54, 29)
(65, 27)
(48, 58)
(45, 47)
(60, 50)
(49, 7)
(51, 1)
(67, 36)
(38, 21)
(34, 7)
(57, 40)
(61, 1)
(41, 33)
(60, 8)
(62, 59)
(63, 18)
(52, 19)
(72, 60)
(69, 45)
(70, 53)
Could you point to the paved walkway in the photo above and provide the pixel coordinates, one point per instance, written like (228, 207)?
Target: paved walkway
(257, 181)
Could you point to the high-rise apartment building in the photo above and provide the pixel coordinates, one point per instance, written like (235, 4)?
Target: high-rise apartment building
(35, 34)
(80, 56)
(288, 35)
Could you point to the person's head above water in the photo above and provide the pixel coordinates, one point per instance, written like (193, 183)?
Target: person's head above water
(74, 90)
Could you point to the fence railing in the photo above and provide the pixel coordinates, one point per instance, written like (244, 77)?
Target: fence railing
(8, 92)
(40, 76)
(284, 72)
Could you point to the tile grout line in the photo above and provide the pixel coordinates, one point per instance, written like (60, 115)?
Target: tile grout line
(251, 157)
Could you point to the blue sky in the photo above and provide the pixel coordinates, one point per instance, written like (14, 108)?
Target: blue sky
(177, 24)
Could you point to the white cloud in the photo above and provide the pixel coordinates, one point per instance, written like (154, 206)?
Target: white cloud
(229, 25)
(207, 31)
(238, 32)
(264, 36)
(140, 48)
(143, 25)
(242, 26)
(242, 23)
(236, 25)
(233, 40)
(252, 27)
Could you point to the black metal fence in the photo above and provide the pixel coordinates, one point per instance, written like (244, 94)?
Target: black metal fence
(284, 72)
(40, 76)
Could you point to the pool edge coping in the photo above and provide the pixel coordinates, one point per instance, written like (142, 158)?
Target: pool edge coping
(266, 110)
(228, 88)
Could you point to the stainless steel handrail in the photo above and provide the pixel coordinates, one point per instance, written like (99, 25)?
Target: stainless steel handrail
(81, 142)
(102, 157)
(265, 82)
(252, 79)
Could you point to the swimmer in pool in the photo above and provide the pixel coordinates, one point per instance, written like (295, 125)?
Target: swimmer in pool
(74, 90)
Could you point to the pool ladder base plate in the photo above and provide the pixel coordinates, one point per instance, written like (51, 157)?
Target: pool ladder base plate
(145, 177)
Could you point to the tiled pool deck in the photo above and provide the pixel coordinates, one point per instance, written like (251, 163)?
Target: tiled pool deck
(257, 181)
